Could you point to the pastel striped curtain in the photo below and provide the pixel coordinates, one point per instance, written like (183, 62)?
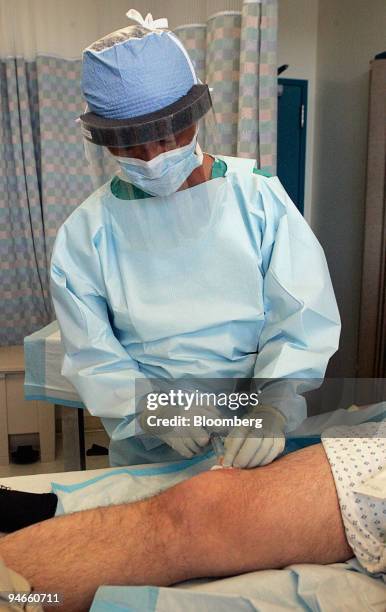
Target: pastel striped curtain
(24, 302)
(43, 178)
(235, 53)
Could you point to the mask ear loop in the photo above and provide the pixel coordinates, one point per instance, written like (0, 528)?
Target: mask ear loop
(199, 153)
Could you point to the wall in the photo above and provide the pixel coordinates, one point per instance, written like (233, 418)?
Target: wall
(297, 46)
(65, 28)
(350, 33)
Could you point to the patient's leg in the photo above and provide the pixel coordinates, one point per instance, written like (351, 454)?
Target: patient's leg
(218, 523)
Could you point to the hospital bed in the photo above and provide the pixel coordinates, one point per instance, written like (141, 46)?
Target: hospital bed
(43, 355)
(340, 586)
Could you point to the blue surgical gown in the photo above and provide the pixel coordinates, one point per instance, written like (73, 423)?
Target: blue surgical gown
(222, 280)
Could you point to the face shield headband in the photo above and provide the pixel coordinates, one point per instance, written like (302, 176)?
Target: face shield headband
(160, 125)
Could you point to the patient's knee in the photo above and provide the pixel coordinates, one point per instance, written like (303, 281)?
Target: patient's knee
(206, 510)
(205, 499)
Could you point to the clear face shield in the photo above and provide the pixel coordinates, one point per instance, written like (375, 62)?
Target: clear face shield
(158, 152)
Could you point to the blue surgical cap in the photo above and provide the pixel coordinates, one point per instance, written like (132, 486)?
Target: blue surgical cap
(135, 71)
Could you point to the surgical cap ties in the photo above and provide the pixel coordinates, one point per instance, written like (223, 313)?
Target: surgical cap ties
(149, 23)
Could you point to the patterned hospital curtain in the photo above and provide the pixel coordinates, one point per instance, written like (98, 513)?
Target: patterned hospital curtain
(43, 178)
(24, 302)
(66, 178)
(235, 53)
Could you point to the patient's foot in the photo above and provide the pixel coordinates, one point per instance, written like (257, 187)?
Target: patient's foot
(19, 509)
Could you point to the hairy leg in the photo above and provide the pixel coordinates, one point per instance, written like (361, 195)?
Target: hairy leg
(216, 524)
(286, 512)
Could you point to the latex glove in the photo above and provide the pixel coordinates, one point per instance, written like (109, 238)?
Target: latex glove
(248, 447)
(186, 440)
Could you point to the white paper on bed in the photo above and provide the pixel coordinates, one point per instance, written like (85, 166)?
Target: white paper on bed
(124, 485)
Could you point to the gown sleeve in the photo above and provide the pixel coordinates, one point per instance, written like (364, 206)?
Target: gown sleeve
(302, 324)
(95, 362)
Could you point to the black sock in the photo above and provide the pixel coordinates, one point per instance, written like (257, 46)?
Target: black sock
(19, 509)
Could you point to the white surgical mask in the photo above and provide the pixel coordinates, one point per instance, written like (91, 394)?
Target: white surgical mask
(165, 173)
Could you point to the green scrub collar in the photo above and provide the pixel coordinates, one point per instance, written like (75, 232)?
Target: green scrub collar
(125, 191)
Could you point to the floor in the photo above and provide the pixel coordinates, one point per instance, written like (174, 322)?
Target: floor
(92, 463)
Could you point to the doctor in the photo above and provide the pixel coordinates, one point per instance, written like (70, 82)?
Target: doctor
(184, 265)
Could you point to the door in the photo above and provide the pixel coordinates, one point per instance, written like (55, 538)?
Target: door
(291, 137)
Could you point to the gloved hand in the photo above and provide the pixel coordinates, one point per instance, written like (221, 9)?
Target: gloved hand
(248, 447)
(187, 440)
